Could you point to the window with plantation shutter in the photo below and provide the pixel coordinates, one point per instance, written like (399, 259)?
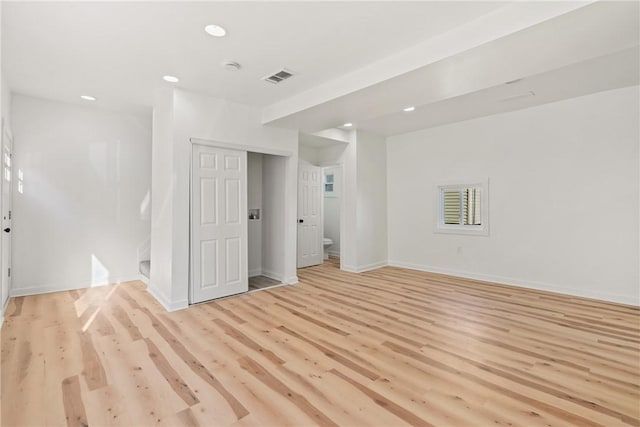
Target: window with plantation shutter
(451, 200)
(463, 208)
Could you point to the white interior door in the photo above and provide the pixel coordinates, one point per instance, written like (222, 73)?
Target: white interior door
(218, 223)
(7, 176)
(310, 224)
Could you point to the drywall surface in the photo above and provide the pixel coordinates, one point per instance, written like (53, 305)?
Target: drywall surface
(5, 117)
(563, 196)
(254, 201)
(6, 102)
(371, 201)
(308, 154)
(83, 211)
(274, 250)
(160, 277)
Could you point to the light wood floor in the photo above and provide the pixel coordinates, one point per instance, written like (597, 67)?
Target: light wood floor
(389, 347)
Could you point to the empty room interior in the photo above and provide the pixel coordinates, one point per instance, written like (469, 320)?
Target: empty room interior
(367, 213)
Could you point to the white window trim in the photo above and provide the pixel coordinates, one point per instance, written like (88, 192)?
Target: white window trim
(336, 189)
(469, 230)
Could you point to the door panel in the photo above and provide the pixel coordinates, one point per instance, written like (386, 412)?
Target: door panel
(232, 192)
(233, 260)
(310, 225)
(209, 250)
(208, 195)
(219, 223)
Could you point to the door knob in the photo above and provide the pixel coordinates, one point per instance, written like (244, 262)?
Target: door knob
(7, 230)
(301, 221)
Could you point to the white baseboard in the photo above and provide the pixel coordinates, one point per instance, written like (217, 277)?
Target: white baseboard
(1, 321)
(290, 280)
(61, 287)
(273, 275)
(348, 268)
(334, 253)
(603, 296)
(372, 266)
(166, 302)
(363, 268)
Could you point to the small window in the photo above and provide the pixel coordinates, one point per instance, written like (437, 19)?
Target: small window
(328, 183)
(462, 208)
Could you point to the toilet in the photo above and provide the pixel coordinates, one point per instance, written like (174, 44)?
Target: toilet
(327, 242)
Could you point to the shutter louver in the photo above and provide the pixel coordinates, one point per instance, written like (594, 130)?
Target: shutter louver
(451, 199)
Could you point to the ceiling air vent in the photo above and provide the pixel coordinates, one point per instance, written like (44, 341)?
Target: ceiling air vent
(281, 75)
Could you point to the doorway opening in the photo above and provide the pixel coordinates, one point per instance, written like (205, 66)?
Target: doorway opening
(320, 184)
(331, 212)
(265, 203)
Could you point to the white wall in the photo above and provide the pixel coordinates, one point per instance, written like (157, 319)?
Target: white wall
(4, 112)
(254, 201)
(371, 211)
(194, 115)
(4, 89)
(162, 185)
(332, 155)
(87, 176)
(5, 108)
(331, 207)
(308, 154)
(5, 239)
(564, 190)
(274, 251)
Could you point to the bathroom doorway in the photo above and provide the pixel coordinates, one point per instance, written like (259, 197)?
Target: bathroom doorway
(331, 212)
(327, 156)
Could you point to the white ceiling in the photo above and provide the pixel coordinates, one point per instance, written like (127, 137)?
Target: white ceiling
(118, 51)
(317, 141)
(608, 72)
(359, 61)
(590, 49)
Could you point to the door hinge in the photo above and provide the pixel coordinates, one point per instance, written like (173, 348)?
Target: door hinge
(9, 271)
(9, 214)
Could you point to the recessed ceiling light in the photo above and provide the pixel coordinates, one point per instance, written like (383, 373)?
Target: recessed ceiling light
(347, 125)
(171, 79)
(215, 30)
(408, 109)
(88, 97)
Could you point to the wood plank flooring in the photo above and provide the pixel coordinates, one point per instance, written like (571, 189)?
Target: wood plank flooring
(384, 348)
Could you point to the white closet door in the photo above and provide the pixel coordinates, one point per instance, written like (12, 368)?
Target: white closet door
(218, 223)
(310, 225)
